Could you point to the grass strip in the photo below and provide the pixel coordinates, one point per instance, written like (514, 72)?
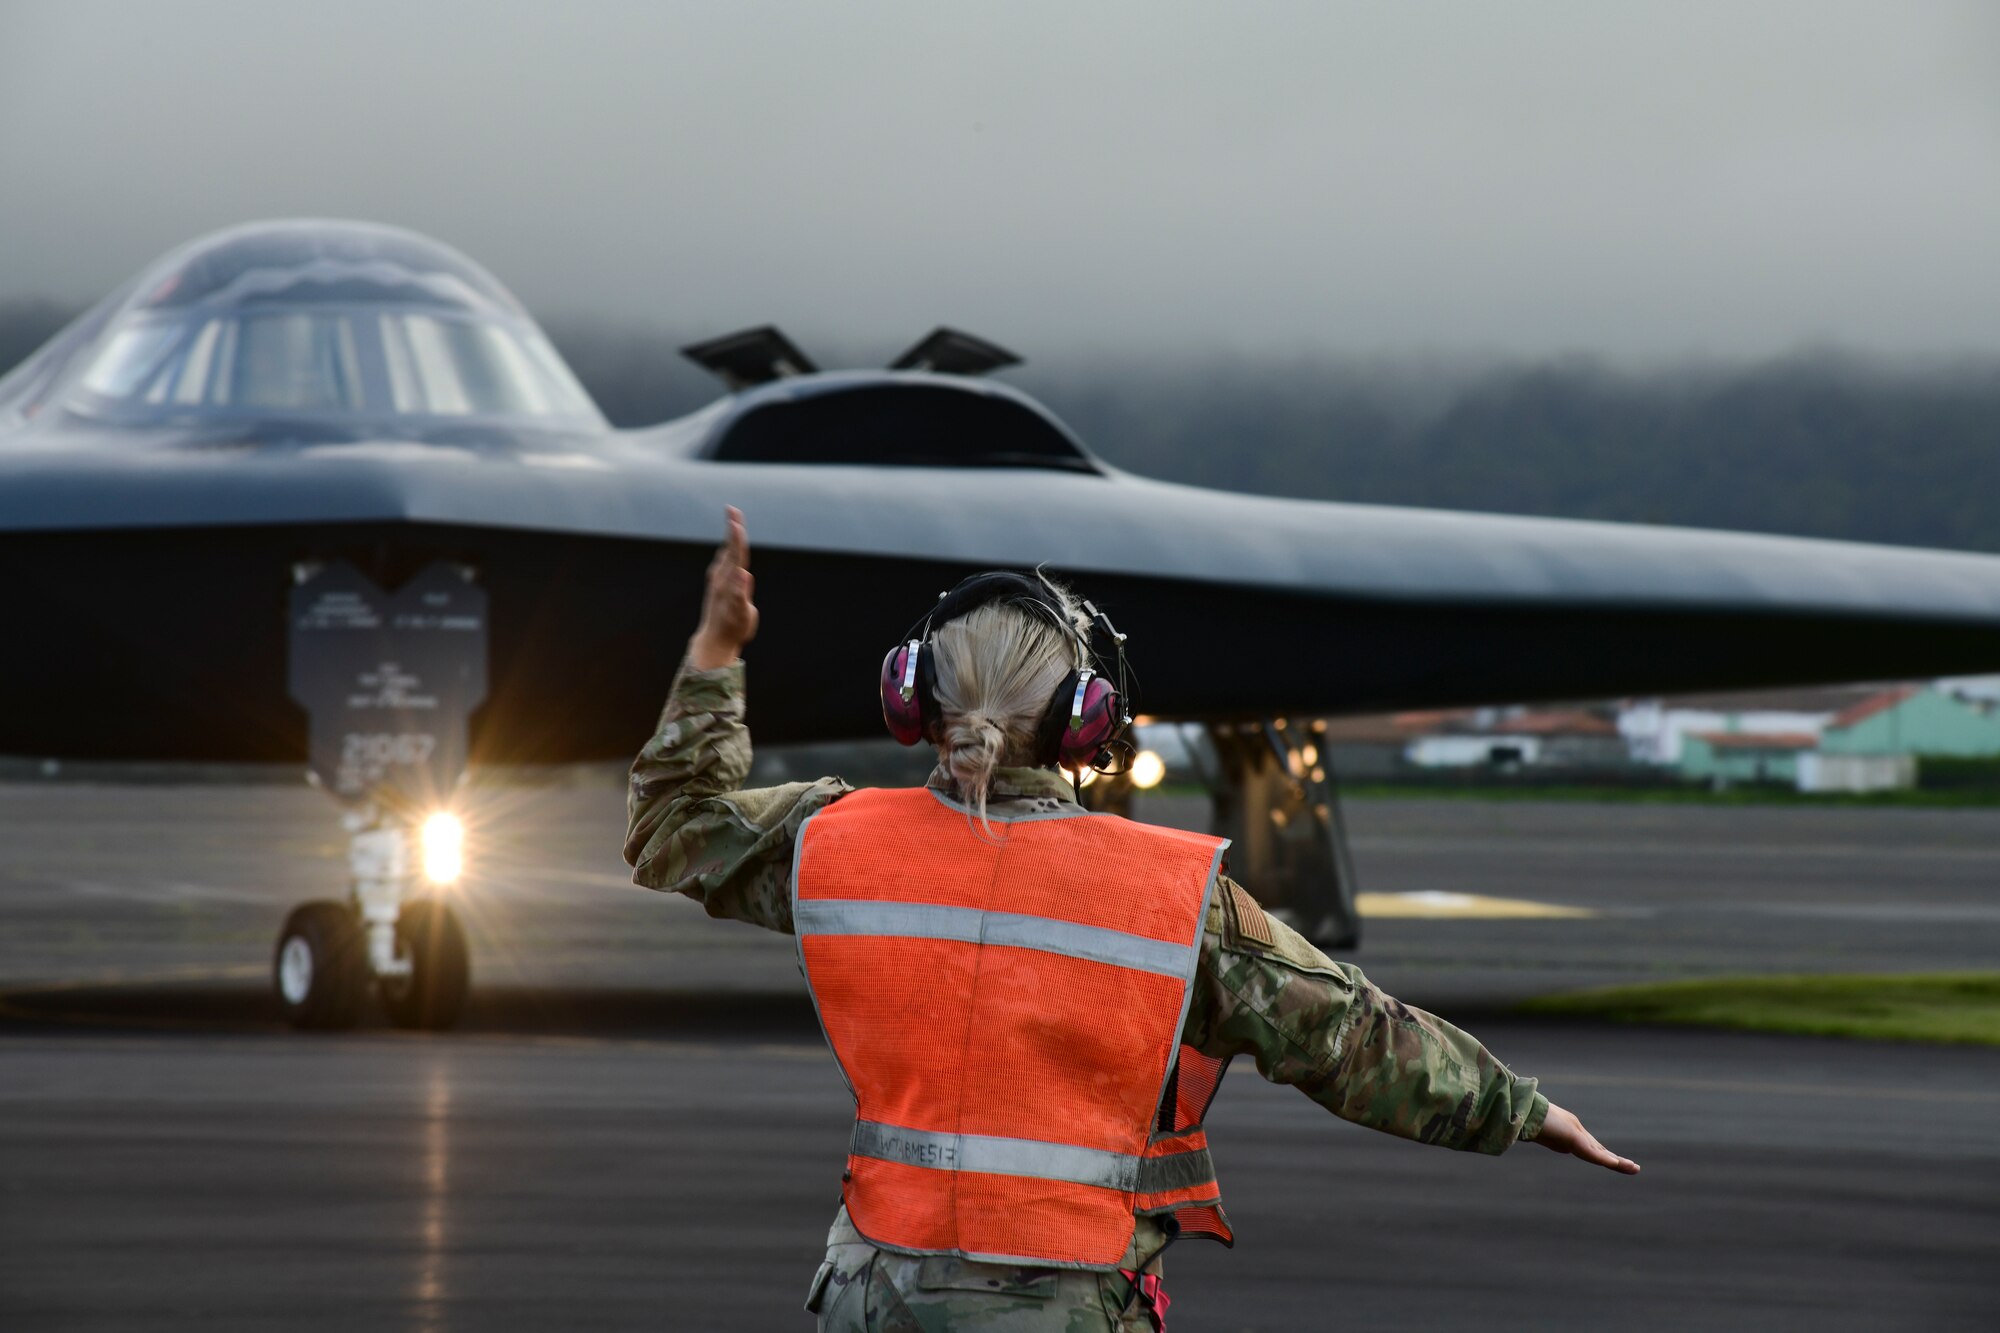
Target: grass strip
(1951, 1007)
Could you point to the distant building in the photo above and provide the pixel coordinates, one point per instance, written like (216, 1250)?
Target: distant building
(1840, 738)
(1517, 738)
(1362, 749)
(1724, 758)
(1567, 738)
(1654, 729)
(1474, 750)
(1914, 720)
(1821, 772)
(1981, 690)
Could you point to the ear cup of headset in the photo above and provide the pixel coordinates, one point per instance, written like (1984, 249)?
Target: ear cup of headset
(1088, 730)
(902, 708)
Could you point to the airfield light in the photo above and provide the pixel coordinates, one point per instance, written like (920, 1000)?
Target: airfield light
(1147, 770)
(443, 841)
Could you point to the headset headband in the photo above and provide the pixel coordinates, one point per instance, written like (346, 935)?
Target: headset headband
(1084, 723)
(1000, 585)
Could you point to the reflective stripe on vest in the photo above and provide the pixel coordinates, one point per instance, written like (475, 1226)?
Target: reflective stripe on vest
(1006, 1012)
(1166, 1173)
(929, 921)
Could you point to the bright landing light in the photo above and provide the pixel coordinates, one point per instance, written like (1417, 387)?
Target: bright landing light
(444, 848)
(1147, 770)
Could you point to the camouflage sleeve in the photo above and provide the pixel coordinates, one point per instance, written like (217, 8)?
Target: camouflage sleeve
(690, 830)
(1263, 991)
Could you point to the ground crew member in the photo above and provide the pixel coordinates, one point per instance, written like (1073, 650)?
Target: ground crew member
(1033, 1006)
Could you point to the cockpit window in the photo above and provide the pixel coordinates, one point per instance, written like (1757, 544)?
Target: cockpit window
(451, 367)
(286, 361)
(315, 361)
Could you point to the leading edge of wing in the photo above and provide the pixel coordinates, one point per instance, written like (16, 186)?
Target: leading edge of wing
(1081, 524)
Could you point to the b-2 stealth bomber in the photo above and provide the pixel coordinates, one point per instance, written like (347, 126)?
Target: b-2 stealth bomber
(323, 492)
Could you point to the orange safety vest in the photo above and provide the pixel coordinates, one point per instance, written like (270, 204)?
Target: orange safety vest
(1007, 1013)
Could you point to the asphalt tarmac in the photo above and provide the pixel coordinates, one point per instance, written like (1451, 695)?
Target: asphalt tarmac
(638, 1128)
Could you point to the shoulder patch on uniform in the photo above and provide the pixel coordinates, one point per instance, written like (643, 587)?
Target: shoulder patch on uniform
(1251, 923)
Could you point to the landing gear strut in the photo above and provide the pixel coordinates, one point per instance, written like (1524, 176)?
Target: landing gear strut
(1272, 794)
(431, 991)
(411, 948)
(1275, 798)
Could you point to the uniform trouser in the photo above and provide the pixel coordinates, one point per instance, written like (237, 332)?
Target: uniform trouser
(863, 1289)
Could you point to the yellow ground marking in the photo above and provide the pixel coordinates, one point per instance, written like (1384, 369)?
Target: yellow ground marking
(1462, 907)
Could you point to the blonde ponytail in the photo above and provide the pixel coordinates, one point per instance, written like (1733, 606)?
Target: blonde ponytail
(973, 747)
(997, 669)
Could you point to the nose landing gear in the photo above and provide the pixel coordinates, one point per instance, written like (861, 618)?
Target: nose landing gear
(411, 948)
(389, 682)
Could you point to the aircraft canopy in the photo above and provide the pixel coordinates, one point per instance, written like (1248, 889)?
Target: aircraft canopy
(322, 319)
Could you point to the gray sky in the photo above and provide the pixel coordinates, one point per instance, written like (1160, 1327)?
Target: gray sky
(1636, 182)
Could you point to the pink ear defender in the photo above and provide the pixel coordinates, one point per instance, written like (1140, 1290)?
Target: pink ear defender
(902, 710)
(1094, 720)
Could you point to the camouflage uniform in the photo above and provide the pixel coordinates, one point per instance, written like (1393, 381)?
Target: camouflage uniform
(1260, 990)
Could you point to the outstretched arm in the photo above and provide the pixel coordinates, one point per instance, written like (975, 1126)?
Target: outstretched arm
(690, 829)
(1323, 1027)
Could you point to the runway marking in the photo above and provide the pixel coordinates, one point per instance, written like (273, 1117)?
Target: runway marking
(1950, 1095)
(1463, 907)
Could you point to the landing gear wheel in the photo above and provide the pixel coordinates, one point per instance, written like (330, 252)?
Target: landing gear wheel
(321, 966)
(431, 996)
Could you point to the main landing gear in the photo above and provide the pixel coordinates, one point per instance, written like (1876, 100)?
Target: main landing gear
(1272, 794)
(1274, 797)
(408, 947)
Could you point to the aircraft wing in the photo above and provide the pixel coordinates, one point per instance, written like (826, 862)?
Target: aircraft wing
(149, 589)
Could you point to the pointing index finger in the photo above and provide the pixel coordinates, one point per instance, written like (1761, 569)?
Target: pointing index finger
(738, 543)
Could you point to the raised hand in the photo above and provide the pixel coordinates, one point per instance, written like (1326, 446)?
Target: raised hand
(1564, 1133)
(728, 616)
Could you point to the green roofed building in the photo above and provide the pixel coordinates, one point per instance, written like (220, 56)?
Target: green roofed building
(1913, 720)
(1881, 742)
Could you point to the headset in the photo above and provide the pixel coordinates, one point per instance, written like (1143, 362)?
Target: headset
(1086, 720)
